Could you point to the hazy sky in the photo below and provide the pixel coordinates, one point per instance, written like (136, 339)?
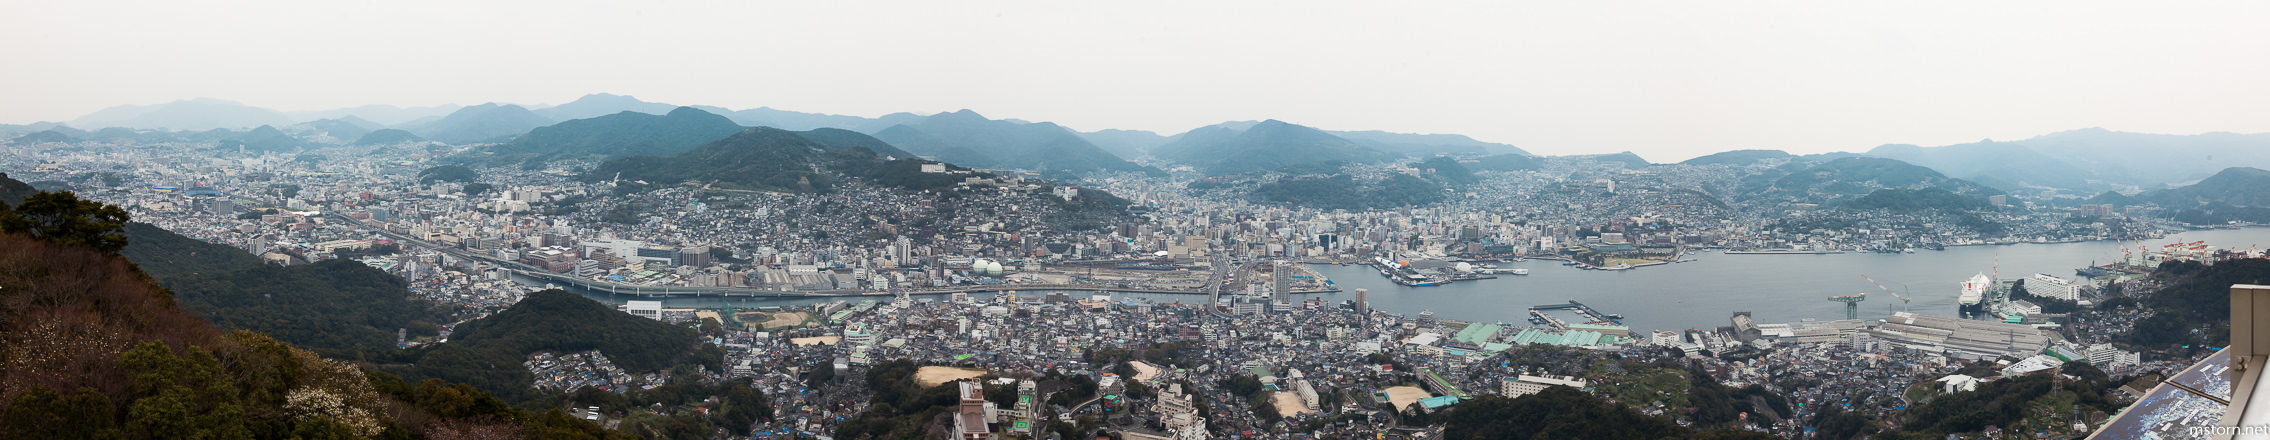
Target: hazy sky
(1667, 80)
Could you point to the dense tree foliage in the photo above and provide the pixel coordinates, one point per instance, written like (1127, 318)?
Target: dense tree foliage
(448, 173)
(1447, 170)
(2235, 186)
(1562, 412)
(13, 192)
(1094, 208)
(1852, 176)
(900, 408)
(2003, 403)
(1267, 145)
(2220, 213)
(904, 172)
(97, 350)
(488, 352)
(2194, 308)
(739, 405)
(1912, 200)
(760, 158)
(613, 136)
(62, 218)
(338, 308)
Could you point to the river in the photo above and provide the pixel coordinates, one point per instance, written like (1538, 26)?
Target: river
(1702, 293)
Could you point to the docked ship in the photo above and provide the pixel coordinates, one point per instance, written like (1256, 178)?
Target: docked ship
(1422, 282)
(2093, 271)
(1974, 293)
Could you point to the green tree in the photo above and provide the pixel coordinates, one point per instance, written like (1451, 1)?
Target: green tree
(61, 218)
(40, 413)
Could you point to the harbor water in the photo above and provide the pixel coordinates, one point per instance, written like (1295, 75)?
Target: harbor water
(1702, 293)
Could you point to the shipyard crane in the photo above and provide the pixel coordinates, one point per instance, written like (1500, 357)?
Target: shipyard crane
(1851, 304)
(1903, 298)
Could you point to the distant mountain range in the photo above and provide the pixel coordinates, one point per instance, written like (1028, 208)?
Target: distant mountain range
(385, 115)
(388, 136)
(191, 114)
(44, 136)
(2092, 158)
(2236, 186)
(602, 104)
(2088, 160)
(490, 122)
(615, 136)
(1135, 143)
(1125, 143)
(969, 139)
(1739, 157)
(1427, 144)
(341, 129)
(264, 139)
(1630, 161)
(1233, 148)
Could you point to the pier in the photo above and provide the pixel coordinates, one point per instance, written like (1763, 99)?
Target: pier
(1581, 309)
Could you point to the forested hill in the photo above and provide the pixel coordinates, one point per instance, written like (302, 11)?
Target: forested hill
(338, 308)
(488, 352)
(614, 136)
(12, 191)
(97, 350)
(772, 159)
(164, 254)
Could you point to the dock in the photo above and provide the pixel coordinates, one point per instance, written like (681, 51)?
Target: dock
(1581, 309)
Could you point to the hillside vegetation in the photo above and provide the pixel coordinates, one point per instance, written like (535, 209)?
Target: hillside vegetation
(95, 349)
(613, 136)
(487, 352)
(771, 159)
(1220, 150)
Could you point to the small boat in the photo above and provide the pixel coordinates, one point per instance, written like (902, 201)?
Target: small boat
(1520, 271)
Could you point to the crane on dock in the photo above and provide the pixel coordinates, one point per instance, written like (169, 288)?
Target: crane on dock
(1851, 304)
(1903, 298)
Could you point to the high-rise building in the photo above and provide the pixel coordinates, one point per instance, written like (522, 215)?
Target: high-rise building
(1363, 304)
(1283, 276)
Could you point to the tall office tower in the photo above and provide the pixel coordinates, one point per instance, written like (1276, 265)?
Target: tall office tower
(1363, 305)
(1284, 282)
